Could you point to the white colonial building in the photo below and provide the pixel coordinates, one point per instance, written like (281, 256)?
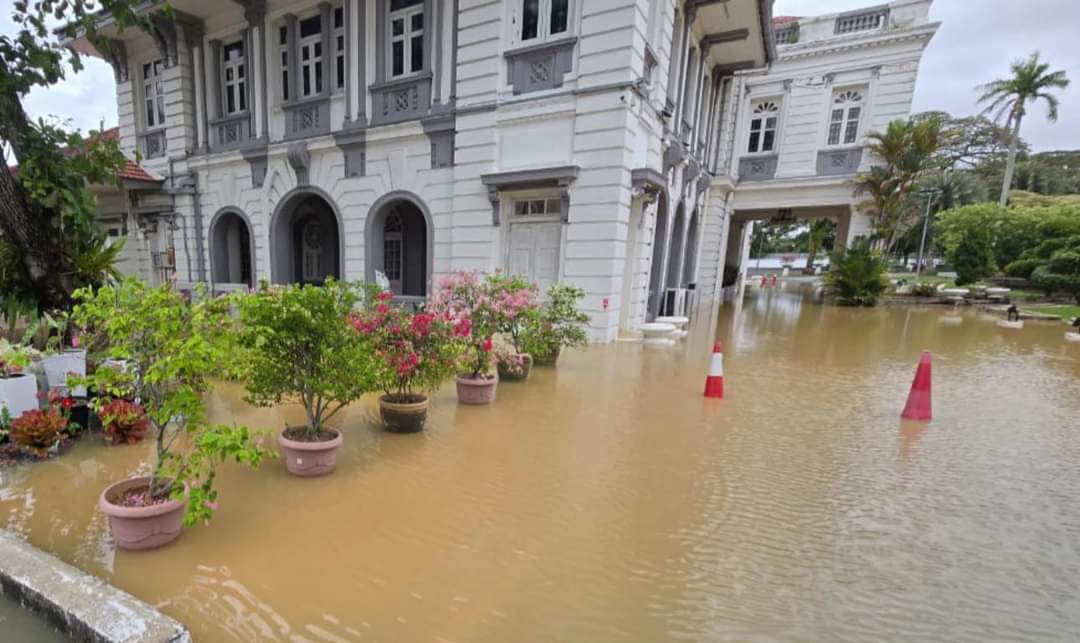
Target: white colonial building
(598, 142)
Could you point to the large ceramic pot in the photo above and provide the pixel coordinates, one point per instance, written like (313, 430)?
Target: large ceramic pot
(142, 527)
(549, 359)
(404, 416)
(472, 390)
(310, 458)
(19, 394)
(57, 367)
(514, 373)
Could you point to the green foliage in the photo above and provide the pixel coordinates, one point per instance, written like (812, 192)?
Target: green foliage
(173, 349)
(38, 431)
(1015, 233)
(973, 256)
(857, 275)
(559, 324)
(1061, 273)
(515, 300)
(14, 358)
(298, 346)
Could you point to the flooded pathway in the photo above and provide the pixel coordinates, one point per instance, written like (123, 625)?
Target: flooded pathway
(607, 500)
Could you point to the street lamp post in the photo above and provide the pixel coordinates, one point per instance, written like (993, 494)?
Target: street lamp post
(930, 194)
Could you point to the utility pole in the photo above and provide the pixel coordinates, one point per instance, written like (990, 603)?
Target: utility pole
(930, 194)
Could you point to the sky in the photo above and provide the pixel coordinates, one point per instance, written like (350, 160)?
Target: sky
(975, 44)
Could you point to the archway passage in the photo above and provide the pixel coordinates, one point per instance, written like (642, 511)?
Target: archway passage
(231, 257)
(656, 272)
(306, 241)
(399, 247)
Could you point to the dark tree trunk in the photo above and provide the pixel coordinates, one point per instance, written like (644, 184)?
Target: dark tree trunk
(27, 224)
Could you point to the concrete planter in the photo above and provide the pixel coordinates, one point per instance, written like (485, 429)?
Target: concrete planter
(309, 459)
(403, 417)
(479, 390)
(19, 394)
(142, 527)
(58, 366)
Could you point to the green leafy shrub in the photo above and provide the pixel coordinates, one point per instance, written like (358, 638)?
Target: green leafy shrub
(558, 324)
(858, 275)
(298, 345)
(174, 349)
(1061, 273)
(973, 256)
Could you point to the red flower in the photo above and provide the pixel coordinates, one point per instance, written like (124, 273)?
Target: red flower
(385, 295)
(487, 345)
(68, 403)
(382, 308)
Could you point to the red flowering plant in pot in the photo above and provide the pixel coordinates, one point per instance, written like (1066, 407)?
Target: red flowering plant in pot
(515, 304)
(466, 295)
(174, 349)
(416, 351)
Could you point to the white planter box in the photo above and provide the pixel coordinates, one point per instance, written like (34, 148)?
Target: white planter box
(58, 366)
(19, 394)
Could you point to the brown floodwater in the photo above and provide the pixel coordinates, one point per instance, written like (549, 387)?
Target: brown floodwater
(607, 500)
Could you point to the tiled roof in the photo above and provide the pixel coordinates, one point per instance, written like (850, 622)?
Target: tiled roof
(783, 20)
(132, 171)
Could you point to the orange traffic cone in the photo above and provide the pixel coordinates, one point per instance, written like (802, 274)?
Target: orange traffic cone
(714, 381)
(918, 405)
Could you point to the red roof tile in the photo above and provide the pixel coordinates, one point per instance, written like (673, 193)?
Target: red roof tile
(783, 20)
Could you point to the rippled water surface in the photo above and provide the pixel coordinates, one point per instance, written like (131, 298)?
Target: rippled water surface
(607, 500)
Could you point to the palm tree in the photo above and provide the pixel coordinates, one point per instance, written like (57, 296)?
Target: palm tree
(1030, 82)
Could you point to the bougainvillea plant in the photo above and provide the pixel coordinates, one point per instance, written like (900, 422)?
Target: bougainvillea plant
(515, 303)
(417, 351)
(173, 349)
(465, 295)
(125, 422)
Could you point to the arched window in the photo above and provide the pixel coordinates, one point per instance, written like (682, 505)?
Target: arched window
(844, 117)
(763, 121)
(394, 250)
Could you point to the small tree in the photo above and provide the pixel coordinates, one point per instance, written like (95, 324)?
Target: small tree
(515, 301)
(298, 346)
(559, 324)
(973, 257)
(173, 348)
(857, 275)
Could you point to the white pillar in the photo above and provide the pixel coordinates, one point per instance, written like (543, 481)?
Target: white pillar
(257, 78)
(200, 97)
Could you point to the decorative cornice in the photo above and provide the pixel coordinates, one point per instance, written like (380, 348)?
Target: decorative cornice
(560, 176)
(721, 37)
(830, 45)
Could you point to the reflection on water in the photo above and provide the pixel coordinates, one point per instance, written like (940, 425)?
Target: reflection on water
(608, 500)
(17, 624)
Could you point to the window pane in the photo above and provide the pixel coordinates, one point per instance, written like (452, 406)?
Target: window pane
(310, 26)
(837, 115)
(530, 19)
(161, 110)
(318, 77)
(243, 96)
(754, 137)
(770, 123)
(283, 35)
(146, 70)
(397, 26)
(307, 84)
(339, 17)
(755, 125)
(536, 207)
(285, 85)
(230, 99)
(851, 131)
(150, 113)
(397, 54)
(834, 133)
(559, 11)
(340, 71)
(417, 62)
(767, 141)
(305, 53)
(401, 4)
(240, 72)
(318, 49)
(228, 74)
(234, 51)
(521, 207)
(416, 22)
(554, 206)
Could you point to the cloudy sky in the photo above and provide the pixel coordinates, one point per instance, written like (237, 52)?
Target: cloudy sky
(977, 41)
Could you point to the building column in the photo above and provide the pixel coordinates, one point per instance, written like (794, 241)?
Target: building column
(255, 14)
(684, 61)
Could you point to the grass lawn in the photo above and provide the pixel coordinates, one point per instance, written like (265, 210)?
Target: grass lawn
(1064, 311)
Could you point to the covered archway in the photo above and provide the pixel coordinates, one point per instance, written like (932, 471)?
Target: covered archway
(399, 243)
(690, 257)
(232, 260)
(678, 241)
(656, 271)
(305, 238)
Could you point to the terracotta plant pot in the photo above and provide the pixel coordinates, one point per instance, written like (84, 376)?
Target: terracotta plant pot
(403, 417)
(510, 373)
(142, 527)
(310, 458)
(475, 390)
(549, 359)
(19, 394)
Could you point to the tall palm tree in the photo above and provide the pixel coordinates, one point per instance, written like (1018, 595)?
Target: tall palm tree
(1031, 81)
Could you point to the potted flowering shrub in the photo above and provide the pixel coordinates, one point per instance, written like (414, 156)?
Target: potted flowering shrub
(18, 388)
(464, 295)
(174, 349)
(515, 303)
(557, 325)
(299, 346)
(416, 353)
(123, 421)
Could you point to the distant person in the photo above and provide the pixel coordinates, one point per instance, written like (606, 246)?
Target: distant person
(1076, 324)
(1014, 313)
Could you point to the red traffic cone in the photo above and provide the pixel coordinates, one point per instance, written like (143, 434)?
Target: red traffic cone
(714, 381)
(918, 405)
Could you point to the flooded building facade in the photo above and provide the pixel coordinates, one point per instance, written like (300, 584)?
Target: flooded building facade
(799, 138)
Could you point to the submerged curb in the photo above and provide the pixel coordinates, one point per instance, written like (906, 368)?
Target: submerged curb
(81, 606)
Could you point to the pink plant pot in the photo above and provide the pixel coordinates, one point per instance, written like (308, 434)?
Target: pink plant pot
(476, 390)
(310, 459)
(142, 527)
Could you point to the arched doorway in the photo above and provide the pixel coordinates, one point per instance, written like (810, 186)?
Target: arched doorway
(399, 245)
(656, 272)
(305, 237)
(690, 258)
(231, 257)
(678, 241)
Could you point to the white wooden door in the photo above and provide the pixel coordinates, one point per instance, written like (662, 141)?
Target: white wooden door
(534, 252)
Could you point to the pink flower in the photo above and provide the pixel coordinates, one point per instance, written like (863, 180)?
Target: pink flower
(382, 308)
(74, 341)
(487, 345)
(385, 295)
